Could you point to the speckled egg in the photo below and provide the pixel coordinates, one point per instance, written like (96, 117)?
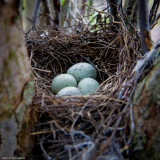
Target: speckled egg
(82, 70)
(67, 91)
(88, 85)
(62, 81)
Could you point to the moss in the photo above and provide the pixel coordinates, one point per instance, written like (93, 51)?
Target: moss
(23, 115)
(7, 70)
(156, 90)
(29, 92)
(12, 55)
(24, 126)
(150, 83)
(153, 81)
(10, 85)
(155, 148)
(152, 153)
(138, 141)
(138, 92)
(146, 113)
(148, 91)
(7, 113)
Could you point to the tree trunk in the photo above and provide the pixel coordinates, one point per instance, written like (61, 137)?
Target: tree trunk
(146, 142)
(16, 87)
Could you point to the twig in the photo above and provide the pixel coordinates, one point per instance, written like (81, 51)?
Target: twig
(40, 132)
(114, 4)
(133, 16)
(83, 8)
(153, 12)
(156, 20)
(73, 124)
(41, 70)
(43, 150)
(130, 8)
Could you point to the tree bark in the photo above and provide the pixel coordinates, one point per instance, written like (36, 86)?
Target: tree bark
(146, 100)
(16, 85)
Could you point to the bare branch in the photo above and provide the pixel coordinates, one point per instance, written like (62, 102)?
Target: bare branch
(144, 25)
(157, 17)
(130, 8)
(153, 12)
(83, 7)
(134, 10)
(57, 10)
(46, 11)
(114, 6)
(36, 11)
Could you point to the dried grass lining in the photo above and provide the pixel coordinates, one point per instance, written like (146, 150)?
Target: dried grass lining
(83, 127)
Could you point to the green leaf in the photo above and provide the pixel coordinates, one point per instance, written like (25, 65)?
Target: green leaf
(62, 2)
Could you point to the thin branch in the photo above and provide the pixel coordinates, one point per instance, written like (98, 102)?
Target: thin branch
(57, 13)
(153, 12)
(131, 7)
(144, 25)
(114, 5)
(157, 17)
(46, 11)
(36, 11)
(134, 10)
(43, 150)
(83, 7)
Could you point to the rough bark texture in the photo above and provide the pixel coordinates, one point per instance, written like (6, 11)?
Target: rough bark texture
(16, 87)
(146, 142)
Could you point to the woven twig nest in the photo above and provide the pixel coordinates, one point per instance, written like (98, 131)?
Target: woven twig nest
(82, 127)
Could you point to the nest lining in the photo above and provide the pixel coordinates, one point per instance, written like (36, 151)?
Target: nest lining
(71, 127)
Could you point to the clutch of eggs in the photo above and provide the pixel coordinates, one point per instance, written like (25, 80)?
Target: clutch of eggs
(66, 84)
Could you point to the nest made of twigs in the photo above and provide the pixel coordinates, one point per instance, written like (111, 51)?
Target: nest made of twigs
(82, 127)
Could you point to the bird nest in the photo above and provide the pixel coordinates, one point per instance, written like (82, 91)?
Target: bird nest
(93, 126)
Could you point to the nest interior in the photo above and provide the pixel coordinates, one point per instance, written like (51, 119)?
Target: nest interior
(82, 127)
